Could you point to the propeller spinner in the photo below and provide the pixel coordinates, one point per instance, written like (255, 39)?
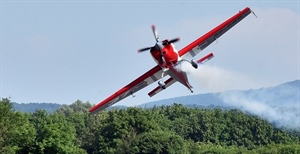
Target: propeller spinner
(157, 45)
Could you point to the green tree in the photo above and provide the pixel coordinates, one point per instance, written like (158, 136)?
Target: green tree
(158, 142)
(16, 132)
(54, 134)
(78, 107)
(5, 123)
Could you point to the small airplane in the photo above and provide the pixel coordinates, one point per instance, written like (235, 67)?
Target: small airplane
(168, 58)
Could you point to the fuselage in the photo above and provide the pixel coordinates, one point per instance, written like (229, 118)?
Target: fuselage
(167, 57)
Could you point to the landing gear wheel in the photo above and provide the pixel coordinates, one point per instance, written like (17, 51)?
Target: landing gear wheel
(194, 64)
(162, 84)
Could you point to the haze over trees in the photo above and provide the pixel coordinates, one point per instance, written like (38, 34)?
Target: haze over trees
(165, 129)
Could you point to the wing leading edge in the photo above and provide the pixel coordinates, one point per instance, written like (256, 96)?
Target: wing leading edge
(201, 43)
(143, 81)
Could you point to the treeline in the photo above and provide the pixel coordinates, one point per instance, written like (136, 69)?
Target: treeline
(165, 129)
(32, 107)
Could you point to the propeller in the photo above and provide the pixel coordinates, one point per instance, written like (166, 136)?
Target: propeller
(157, 44)
(144, 49)
(155, 33)
(166, 42)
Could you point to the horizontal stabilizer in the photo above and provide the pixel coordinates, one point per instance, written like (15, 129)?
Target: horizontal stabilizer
(158, 89)
(205, 58)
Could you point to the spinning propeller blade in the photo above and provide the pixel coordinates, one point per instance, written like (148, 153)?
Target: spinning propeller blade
(144, 49)
(174, 40)
(155, 33)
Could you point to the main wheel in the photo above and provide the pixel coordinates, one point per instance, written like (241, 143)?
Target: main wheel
(194, 64)
(162, 84)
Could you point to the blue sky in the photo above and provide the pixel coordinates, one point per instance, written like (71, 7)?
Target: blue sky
(61, 51)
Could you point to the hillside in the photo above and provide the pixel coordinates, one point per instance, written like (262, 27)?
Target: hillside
(283, 95)
(32, 107)
(279, 105)
(286, 94)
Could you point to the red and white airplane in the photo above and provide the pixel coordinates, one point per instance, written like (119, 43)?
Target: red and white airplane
(168, 58)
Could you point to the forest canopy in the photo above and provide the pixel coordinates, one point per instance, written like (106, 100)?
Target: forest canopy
(164, 129)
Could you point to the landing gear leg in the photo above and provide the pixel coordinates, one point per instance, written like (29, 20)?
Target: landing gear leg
(161, 83)
(192, 62)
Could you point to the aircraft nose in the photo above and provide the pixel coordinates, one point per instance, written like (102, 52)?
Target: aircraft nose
(158, 46)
